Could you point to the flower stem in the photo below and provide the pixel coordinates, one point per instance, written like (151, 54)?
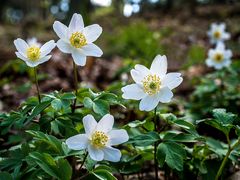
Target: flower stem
(36, 82)
(76, 86)
(155, 145)
(84, 159)
(230, 149)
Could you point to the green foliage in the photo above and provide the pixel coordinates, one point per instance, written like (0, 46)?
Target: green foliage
(211, 89)
(136, 41)
(171, 153)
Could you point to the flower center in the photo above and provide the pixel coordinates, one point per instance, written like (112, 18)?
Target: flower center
(33, 53)
(218, 57)
(217, 34)
(78, 40)
(151, 84)
(99, 139)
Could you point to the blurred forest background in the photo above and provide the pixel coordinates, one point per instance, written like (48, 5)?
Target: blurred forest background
(134, 31)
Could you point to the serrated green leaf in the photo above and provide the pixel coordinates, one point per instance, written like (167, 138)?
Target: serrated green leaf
(171, 153)
(144, 139)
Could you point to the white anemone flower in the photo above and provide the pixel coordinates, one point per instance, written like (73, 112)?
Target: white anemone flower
(152, 85)
(32, 52)
(77, 40)
(217, 33)
(219, 57)
(98, 139)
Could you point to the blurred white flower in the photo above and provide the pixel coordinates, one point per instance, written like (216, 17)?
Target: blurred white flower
(217, 33)
(152, 86)
(99, 138)
(219, 57)
(77, 40)
(32, 52)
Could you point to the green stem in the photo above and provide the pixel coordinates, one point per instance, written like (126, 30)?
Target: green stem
(36, 82)
(230, 149)
(76, 86)
(155, 145)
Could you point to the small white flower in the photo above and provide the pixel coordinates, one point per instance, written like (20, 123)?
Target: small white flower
(219, 57)
(77, 40)
(32, 52)
(152, 86)
(217, 33)
(99, 138)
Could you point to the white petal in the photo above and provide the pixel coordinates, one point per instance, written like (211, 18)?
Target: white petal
(92, 50)
(33, 42)
(89, 124)
(226, 36)
(21, 45)
(218, 66)
(148, 103)
(63, 46)
(118, 136)
(76, 23)
(20, 56)
(209, 62)
(165, 95)
(227, 62)
(95, 154)
(222, 26)
(43, 59)
(92, 32)
(145, 71)
(137, 76)
(79, 58)
(133, 91)
(159, 65)
(60, 29)
(106, 123)
(172, 80)
(228, 54)
(77, 142)
(211, 53)
(220, 46)
(47, 48)
(112, 154)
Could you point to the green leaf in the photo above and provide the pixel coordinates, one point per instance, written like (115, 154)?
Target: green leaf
(224, 117)
(144, 139)
(5, 176)
(136, 123)
(103, 174)
(38, 109)
(56, 104)
(189, 127)
(179, 137)
(68, 96)
(88, 103)
(59, 169)
(101, 107)
(47, 143)
(171, 153)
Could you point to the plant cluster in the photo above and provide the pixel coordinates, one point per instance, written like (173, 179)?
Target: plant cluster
(71, 135)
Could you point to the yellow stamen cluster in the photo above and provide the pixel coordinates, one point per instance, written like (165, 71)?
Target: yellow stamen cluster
(33, 53)
(217, 34)
(78, 40)
(151, 84)
(99, 139)
(218, 57)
